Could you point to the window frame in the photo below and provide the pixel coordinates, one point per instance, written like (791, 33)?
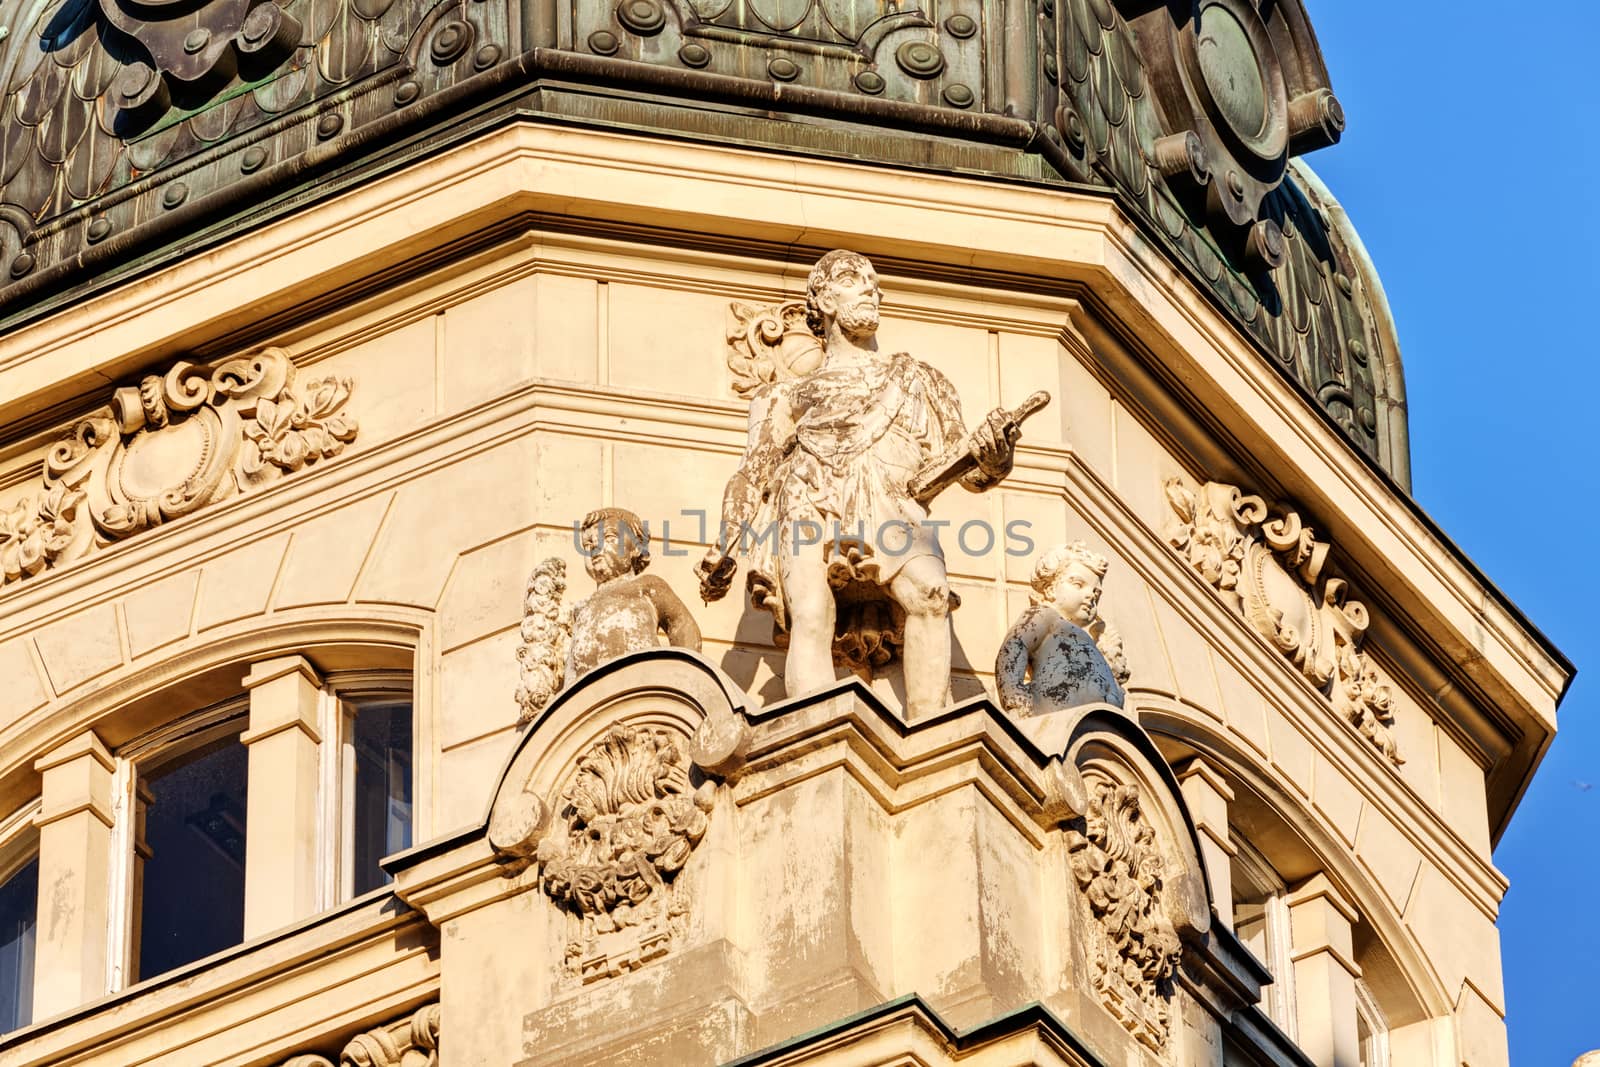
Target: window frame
(344, 694)
(134, 761)
(1252, 871)
(19, 846)
(1369, 1014)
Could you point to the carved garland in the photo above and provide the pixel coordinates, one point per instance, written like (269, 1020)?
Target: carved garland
(1119, 870)
(409, 1042)
(1269, 570)
(627, 823)
(546, 632)
(169, 446)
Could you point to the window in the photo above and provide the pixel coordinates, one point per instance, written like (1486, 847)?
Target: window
(368, 769)
(366, 723)
(181, 821)
(19, 906)
(1261, 919)
(184, 848)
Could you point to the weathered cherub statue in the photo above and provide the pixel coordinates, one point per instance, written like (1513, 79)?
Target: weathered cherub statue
(1060, 653)
(841, 464)
(627, 612)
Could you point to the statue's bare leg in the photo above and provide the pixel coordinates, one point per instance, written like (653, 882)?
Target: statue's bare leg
(812, 614)
(922, 590)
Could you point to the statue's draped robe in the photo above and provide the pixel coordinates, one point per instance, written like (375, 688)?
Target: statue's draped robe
(848, 440)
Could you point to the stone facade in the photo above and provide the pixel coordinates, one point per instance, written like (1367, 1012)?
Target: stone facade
(342, 457)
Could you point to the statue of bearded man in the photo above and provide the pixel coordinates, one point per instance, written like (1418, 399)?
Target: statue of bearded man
(838, 459)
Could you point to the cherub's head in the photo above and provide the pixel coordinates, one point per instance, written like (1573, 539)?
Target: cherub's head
(1069, 577)
(843, 288)
(615, 543)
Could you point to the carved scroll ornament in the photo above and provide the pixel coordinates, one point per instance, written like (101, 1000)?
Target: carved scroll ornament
(169, 446)
(769, 344)
(626, 824)
(409, 1042)
(1134, 951)
(1269, 569)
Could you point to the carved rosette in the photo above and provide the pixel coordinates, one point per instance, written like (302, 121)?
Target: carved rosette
(627, 822)
(1134, 948)
(1269, 569)
(409, 1042)
(169, 446)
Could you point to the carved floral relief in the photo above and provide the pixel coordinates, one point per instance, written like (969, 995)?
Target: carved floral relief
(1268, 568)
(409, 1042)
(176, 442)
(1134, 947)
(626, 823)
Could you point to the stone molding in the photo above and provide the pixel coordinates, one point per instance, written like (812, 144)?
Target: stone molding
(1267, 564)
(180, 440)
(409, 1042)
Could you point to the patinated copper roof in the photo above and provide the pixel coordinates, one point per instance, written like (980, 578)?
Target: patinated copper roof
(132, 127)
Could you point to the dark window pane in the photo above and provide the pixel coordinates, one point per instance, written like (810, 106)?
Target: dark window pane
(19, 904)
(381, 821)
(193, 895)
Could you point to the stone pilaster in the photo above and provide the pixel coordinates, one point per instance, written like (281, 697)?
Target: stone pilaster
(1325, 973)
(281, 842)
(74, 822)
(1208, 797)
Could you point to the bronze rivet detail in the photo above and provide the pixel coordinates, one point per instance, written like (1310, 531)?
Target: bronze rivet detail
(329, 124)
(98, 230)
(1236, 184)
(1342, 280)
(784, 70)
(958, 95)
(694, 55)
(486, 57)
(1050, 69)
(1358, 351)
(870, 82)
(196, 40)
(175, 194)
(22, 264)
(134, 80)
(919, 59)
(406, 92)
(259, 24)
(604, 42)
(451, 42)
(643, 17)
(960, 26)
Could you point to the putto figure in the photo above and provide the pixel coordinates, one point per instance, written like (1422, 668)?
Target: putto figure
(1060, 654)
(628, 611)
(830, 500)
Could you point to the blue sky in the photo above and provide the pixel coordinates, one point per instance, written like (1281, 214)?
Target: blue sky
(1469, 167)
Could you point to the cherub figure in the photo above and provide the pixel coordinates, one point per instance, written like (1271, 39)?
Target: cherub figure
(628, 611)
(1060, 653)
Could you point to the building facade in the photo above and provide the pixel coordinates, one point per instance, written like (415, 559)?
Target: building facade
(326, 324)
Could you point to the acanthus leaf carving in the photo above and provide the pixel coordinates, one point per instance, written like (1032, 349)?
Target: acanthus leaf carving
(168, 446)
(626, 824)
(409, 1042)
(1119, 869)
(1269, 568)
